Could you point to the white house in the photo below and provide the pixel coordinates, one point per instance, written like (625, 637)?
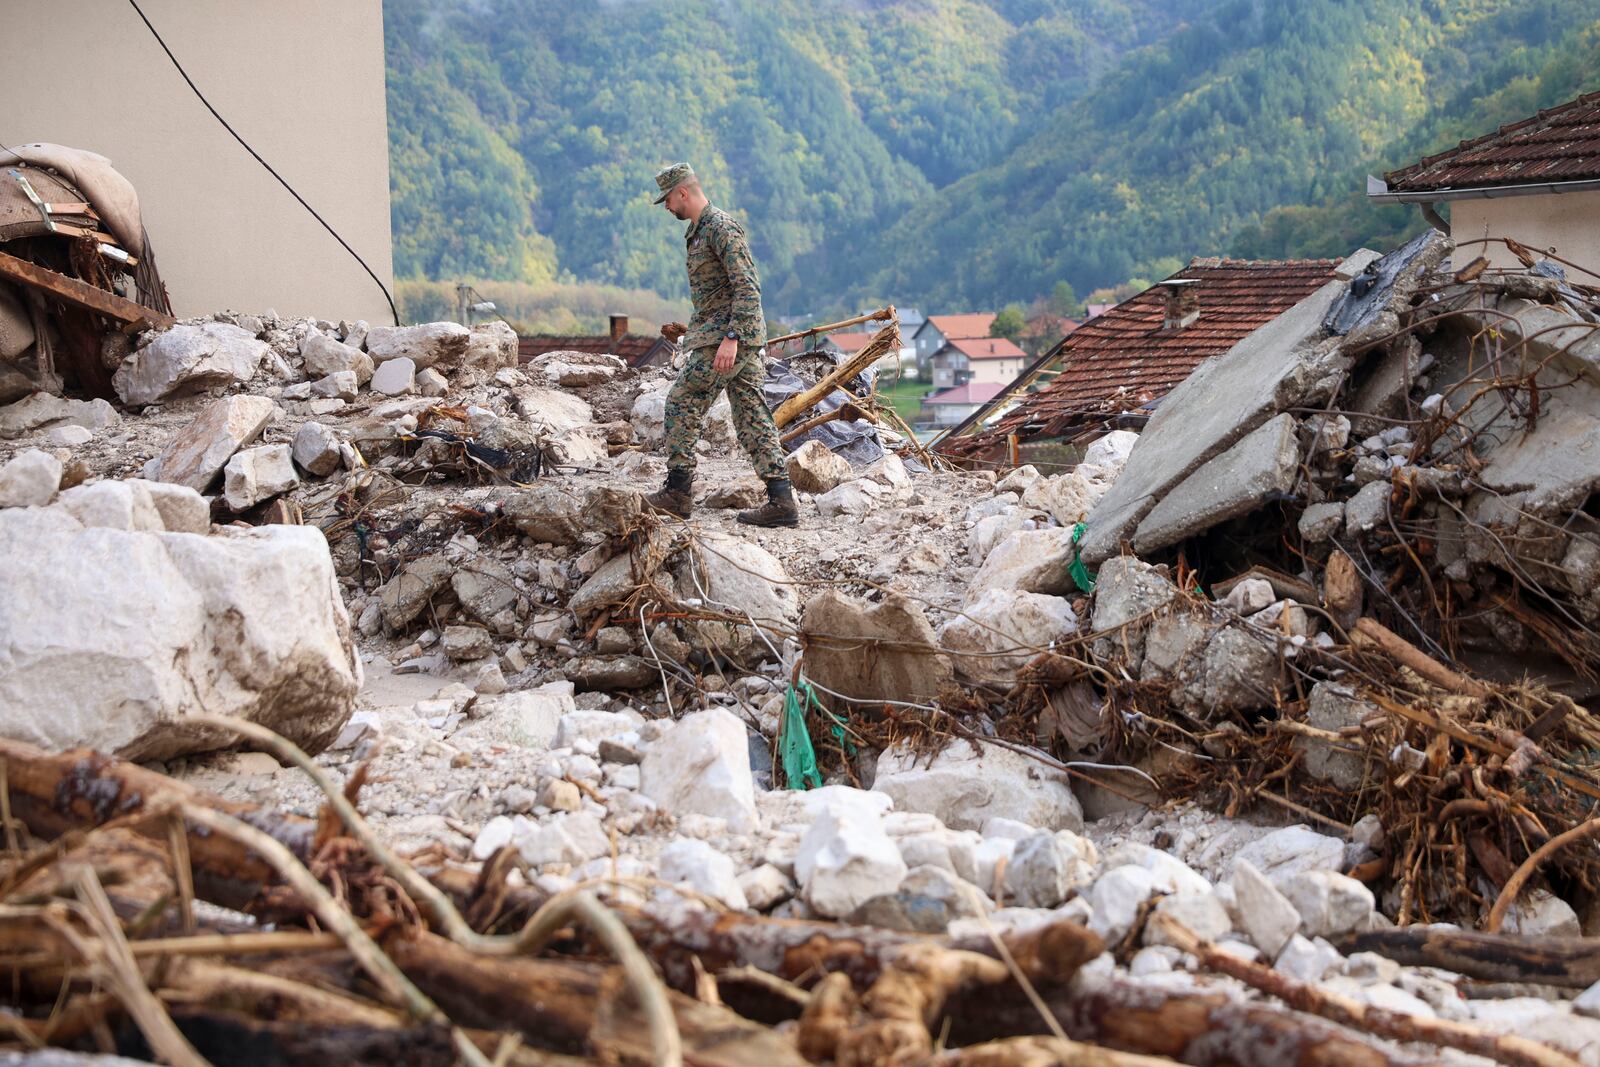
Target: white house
(987, 359)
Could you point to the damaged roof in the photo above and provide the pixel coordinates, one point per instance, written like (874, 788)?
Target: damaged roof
(1560, 144)
(1128, 354)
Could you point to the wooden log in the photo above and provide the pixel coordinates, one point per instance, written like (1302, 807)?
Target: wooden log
(791, 409)
(81, 294)
(1041, 1052)
(871, 316)
(1430, 669)
(1568, 962)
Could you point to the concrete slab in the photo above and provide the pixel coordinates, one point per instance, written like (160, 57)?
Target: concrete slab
(1225, 398)
(1233, 484)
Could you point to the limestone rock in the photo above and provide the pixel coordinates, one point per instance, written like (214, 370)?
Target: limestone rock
(340, 385)
(1284, 853)
(813, 468)
(316, 449)
(324, 356)
(1333, 707)
(927, 900)
(41, 410)
(845, 860)
(441, 344)
(1116, 898)
(395, 377)
(29, 480)
(571, 838)
(197, 453)
(964, 788)
(1070, 497)
(766, 886)
(484, 587)
(110, 638)
(1034, 561)
(431, 383)
(1329, 903)
(182, 510)
(403, 596)
(185, 358)
(548, 513)
(1112, 450)
(903, 664)
(1265, 915)
(611, 673)
(702, 766)
(258, 474)
(854, 499)
(551, 411)
(1046, 866)
(1126, 589)
(114, 505)
(1203, 913)
(743, 579)
(491, 346)
(466, 643)
(1540, 913)
(1307, 960)
(1001, 631)
(703, 869)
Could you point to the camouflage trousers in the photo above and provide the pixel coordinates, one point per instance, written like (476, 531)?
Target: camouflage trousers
(698, 387)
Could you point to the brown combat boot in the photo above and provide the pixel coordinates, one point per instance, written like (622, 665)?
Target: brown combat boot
(676, 497)
(779, 510)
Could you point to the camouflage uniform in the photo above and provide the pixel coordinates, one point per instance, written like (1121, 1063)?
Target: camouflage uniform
(726, 291)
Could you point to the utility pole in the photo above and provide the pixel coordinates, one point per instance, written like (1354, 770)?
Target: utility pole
(462, 314)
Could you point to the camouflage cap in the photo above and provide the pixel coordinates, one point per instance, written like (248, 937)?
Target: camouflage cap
(669, 178)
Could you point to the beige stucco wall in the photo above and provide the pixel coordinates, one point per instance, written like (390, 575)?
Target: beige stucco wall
(301, 80)
(1568, 223)
(999, 371)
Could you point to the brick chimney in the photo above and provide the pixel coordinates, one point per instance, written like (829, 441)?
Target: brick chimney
(619, 328)
(1182, 303)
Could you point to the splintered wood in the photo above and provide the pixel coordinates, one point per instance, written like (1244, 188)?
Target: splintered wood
(370, 960)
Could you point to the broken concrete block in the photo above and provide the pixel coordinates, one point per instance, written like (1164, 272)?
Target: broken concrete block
(29, 480)
(1322, 522)
(1126, 589)
(884, 651)
(702, 766)
(114, 636)
(258, 474)
(395, 377)
(484, 587)
(442, 344)
(324, 356)
(185, 358)
(1004, 629)
(1333, 707)
(812, 468)
(1274, 368)
(1368, 508)
(316, 449)
(339, 384)
(1262, 465)
(1034, 561)
(197, 453)
(113, 505)
(965, 788)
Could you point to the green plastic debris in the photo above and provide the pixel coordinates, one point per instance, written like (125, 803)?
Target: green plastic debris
(1080, 574)
(799, 758)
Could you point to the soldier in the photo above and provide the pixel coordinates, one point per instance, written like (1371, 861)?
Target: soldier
(724, 341)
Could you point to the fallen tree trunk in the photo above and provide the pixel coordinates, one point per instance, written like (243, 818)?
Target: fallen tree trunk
(1568, 962)
(882, 342)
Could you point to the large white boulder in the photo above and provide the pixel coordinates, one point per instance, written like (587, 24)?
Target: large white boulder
(39, 411)
(189, 357)
(702, 766)
(324, 356)
(1071, 496)
(109, 638)
(1111, 451)
(491, 346)
(258, 474)
(846, 859)
(441, 344)
(965, 788)
(744, 580)
(1002, 630)
(196, 454)
(702, 868)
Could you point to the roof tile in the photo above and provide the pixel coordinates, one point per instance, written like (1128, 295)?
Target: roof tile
(1560, 144)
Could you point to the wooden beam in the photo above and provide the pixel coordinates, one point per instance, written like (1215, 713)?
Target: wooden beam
(81, 294)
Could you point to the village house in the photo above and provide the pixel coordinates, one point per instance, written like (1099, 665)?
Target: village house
(1533, 184)
(937, 331)
(985, 359)
(1129, 356)
(950, 406)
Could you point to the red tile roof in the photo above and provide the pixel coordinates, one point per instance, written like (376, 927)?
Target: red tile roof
(1126, 355)
(959, 327)
(1561, 144)
(850, 343)
(970, 393)
(987, 348)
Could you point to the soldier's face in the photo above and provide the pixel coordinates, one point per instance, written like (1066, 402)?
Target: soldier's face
(675, 203)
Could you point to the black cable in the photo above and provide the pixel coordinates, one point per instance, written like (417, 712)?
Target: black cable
(392, 309)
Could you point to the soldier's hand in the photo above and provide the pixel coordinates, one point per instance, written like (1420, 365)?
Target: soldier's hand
(673, 331)
(727, 352)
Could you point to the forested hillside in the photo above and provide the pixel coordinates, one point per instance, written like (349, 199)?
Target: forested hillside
(937, 152)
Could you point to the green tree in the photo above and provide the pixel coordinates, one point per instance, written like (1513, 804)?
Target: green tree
(1063, 300)
(1009, 322)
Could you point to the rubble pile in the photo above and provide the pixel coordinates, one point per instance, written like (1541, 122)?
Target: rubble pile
(837, 794)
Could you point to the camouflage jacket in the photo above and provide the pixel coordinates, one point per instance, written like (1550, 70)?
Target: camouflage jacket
(723, 283)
